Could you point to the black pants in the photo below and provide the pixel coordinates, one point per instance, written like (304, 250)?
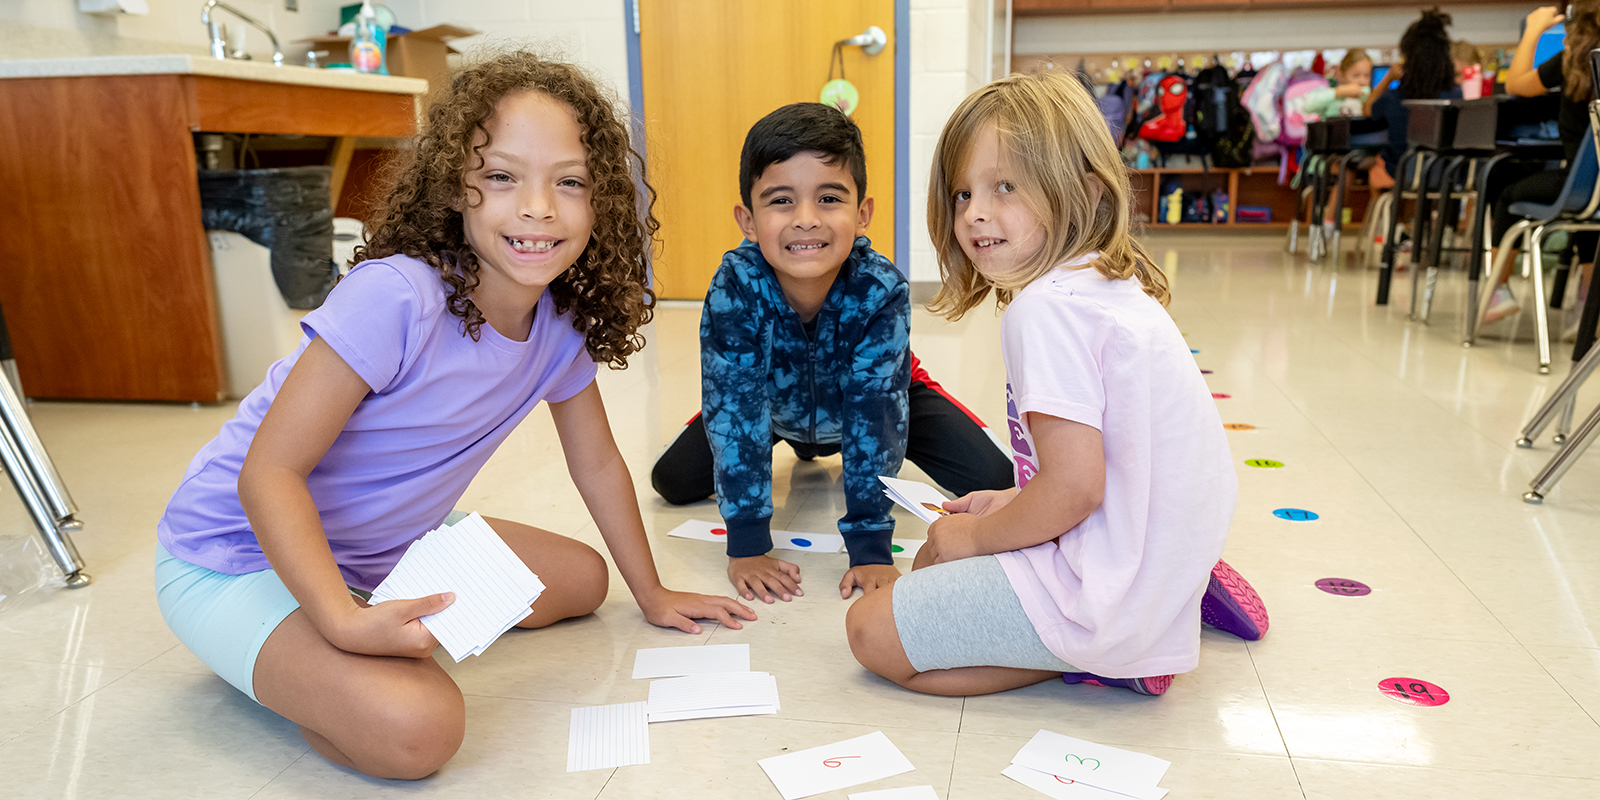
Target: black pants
(942, 441)
(1542, 186)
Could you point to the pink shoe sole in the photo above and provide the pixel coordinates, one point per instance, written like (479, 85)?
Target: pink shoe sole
(1231, 604)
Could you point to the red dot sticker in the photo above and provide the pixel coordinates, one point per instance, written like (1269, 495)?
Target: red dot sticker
(1344, 587)
(1413, 691)
(1220, 396)
(719, 531)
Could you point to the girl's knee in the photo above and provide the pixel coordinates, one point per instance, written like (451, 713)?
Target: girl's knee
(869, 628)
(421, 732)
(593, 580)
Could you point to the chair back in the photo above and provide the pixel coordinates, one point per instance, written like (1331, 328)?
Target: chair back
(1593, 142)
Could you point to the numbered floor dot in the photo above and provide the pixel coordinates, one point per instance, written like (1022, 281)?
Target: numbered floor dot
(799, 542)
(719, 531)
(1413, 691)
(1294, 514)
(1263, 463)
(1238, 426)
(1344, 587)
(1205, 372)
(1220, 396)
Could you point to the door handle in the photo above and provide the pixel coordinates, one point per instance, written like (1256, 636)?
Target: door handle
(871, 41)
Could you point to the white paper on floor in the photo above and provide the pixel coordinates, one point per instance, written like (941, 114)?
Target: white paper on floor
(903, 793)
(908, 547)
(1058, 787)
(781, 540)
(835, 766)
(727, 694)
(672, 662)
(493, 588)
(1098, 765)
(608, 736)
(917, 497)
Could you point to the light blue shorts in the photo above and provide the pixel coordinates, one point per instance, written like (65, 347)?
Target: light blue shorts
(965, 614)
(225, 619)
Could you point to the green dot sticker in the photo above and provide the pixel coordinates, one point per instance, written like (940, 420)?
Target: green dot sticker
(1263, 463)
(894, 548)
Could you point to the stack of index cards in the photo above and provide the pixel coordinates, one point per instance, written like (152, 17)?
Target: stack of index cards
(493, 588)
(704, 681)
(917, 497)
(1068, 769)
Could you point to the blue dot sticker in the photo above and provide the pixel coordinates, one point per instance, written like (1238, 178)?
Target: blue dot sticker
(1192, 350)
(1295, 514)
(800, 542)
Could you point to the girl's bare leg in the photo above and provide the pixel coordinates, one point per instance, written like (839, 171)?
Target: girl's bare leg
(574, 575)
(875, 641)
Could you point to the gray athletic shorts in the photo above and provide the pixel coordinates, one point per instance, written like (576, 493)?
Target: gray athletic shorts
(965, 614)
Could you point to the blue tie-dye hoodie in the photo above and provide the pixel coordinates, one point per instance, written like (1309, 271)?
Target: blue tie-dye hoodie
(845, 383)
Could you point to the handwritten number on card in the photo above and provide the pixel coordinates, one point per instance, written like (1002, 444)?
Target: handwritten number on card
(836, 761)
(1084, 761)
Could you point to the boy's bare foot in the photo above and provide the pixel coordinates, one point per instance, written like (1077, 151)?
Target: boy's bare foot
(870, 577)
(765, 576)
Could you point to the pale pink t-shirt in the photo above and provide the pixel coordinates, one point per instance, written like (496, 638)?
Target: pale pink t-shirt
(440, 404)
(1118, 595)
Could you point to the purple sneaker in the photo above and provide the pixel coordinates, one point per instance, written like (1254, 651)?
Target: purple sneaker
(1148, 686)
(1232, 605)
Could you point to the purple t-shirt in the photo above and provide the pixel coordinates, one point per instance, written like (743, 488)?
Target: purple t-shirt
(440, 405)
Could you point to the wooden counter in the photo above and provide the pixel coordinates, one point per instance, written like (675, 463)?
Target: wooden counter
(105, 272)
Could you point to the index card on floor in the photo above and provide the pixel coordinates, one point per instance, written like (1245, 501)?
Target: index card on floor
(903, 793)
(917, 497)
(702, 530)
(1063, 789)
(835, 766)
(782, 540)
(493, 588)
(1098, 765)
(723, 694)
(672, 662)
(608, 736)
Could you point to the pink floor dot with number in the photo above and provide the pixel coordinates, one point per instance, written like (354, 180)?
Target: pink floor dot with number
(1414, 691)
(1220, 396)
(1344, 587)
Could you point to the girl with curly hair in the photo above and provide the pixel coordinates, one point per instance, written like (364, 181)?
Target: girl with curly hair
(509, 260)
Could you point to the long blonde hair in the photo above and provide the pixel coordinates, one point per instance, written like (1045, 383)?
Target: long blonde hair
(1056, 142)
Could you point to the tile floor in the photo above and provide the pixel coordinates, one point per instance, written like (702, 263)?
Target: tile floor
(1400, 439)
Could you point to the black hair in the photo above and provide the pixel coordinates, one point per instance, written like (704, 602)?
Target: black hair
(1428, 71)
(802, 128)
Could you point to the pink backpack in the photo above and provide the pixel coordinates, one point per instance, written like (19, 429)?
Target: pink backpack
(1295, 117)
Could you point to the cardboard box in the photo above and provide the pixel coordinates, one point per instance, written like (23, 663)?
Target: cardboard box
(414, 54)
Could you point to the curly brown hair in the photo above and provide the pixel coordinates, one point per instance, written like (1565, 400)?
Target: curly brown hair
(607, 289)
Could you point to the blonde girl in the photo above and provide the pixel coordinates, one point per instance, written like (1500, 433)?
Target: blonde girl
(1101, 566)
(509, 260)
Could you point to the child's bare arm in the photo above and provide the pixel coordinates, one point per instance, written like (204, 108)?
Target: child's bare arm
(309, 412)
(1068, 487)
(602, 479)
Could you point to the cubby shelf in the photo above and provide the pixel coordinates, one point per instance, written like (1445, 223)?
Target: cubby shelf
(1250, 186)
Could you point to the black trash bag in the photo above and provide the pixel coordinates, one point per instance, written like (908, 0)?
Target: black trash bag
(286, 210)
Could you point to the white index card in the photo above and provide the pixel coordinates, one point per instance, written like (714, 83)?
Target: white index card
(725, 694)
(908, 548)
(1098, 765)
(608, 736)
(807, 542)
(1063, 789)
(919, 498)
(903, 793)
(673, 662)
(702, 530)
(835, 766)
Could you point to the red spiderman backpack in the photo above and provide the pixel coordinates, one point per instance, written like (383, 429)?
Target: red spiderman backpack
(1169, 127)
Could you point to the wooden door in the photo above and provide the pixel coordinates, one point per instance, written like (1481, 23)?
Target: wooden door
(711, 68)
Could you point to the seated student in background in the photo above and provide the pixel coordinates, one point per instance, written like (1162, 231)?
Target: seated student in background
(1348, 96)
(1103, 565)
(1569, 72)
(805, 338)
(1427, 72)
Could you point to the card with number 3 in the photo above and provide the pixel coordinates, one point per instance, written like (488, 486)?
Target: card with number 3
(835, 766)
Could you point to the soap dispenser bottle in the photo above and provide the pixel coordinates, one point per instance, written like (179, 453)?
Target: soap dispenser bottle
(367, 45)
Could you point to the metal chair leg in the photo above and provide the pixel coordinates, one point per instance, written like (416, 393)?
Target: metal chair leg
(37, 483)
(1565, 395)
(1423, 229)
(1540, 315)
(1563, 459)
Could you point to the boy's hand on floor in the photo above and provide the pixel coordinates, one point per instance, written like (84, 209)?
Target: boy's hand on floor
(870, 577)
(679, 610)
(765, 576)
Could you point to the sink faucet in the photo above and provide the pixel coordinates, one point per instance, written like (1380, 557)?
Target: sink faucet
(219, 35)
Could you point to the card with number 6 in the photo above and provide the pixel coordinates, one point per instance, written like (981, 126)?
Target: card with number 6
(835, 766)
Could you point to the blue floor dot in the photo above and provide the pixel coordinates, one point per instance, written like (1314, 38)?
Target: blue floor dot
(801, 542)
(1295, 514)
